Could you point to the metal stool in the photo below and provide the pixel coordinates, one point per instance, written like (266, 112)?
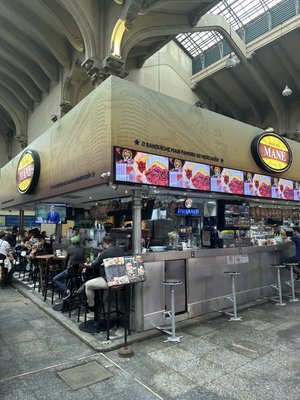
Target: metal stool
(234, 316)
(291, 266)
(278, 301)
(171, 313)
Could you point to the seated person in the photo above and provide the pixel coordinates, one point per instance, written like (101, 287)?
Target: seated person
(75, 256)
(110, 250)
(296, 258)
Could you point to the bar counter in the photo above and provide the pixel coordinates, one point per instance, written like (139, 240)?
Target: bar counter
(204, 285)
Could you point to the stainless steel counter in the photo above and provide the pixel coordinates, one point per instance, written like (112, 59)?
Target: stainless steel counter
(205, 286)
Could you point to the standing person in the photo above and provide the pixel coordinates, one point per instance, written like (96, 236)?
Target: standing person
(5, 249)
(53, 216)
(99, 282)
(75, 256)
(296, 258)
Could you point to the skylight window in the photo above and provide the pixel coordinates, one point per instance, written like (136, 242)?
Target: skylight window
(238, 13)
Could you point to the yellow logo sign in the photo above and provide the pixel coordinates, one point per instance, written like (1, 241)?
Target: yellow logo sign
(28, 171)
(271, 152)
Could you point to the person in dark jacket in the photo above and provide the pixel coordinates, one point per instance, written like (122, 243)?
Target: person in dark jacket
(296, 258)
(75, 256)
(110, 251)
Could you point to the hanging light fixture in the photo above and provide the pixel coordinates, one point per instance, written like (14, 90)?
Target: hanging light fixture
(286, 91)
(231, 62)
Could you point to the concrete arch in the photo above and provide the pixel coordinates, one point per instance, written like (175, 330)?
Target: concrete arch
(17, 113)
(78, 12)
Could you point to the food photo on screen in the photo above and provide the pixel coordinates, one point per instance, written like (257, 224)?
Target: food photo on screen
(261, 185)
(190, 175)
(156, 170)
(285, 188)
(138, 167)
(232, 181)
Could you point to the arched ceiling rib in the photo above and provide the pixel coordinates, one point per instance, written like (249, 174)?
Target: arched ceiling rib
(38, 38)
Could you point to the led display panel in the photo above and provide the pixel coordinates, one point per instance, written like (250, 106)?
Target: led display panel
(282, 189)
(257, 185)
(189, 175)
(227, 180)
(136, 167)
(296, 191)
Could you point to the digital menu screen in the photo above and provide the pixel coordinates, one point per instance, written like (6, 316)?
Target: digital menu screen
(282, 189)
(296, 191)
(189, 175)
(227, 180)
(257, 185)
(133, 166)
(144, 168)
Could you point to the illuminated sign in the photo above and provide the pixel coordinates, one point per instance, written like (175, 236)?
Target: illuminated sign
(271, 152)
(187, 211)
(28, 172)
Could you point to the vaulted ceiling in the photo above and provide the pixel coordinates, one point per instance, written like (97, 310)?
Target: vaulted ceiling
(45, 41)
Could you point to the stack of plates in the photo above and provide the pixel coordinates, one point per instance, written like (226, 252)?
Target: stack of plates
(158, 248)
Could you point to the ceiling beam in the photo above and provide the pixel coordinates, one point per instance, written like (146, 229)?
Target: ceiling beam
(24, 45)
(36, 29)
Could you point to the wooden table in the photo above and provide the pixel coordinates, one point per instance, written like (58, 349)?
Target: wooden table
(43, 268)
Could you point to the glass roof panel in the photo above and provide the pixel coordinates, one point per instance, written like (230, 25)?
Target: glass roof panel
(238, 13)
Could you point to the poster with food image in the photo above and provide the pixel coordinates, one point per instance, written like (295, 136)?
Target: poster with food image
(296, 190)
(189, 175)
(124, 270)
(229, 181)
(260, 187)
(138, 167)
(285, 189)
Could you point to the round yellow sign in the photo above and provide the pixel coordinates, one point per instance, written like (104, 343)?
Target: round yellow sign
(28, 171)
(271, 152)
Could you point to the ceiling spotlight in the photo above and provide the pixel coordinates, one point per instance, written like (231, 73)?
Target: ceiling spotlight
(54, 117)
(286, 91)
(105, 175)
(230, 63)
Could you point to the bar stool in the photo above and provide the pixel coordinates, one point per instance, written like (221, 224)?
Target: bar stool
(291, 266)
(278, 301)
(171, 283)
(232, 298)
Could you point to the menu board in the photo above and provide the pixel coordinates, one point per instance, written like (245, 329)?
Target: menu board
(133, 166)
(124, 270)
(189, 175)
(227, 180)
(257, 185)
(144, 168)
(282, 189)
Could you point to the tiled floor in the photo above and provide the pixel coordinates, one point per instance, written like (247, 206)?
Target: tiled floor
(256, 359)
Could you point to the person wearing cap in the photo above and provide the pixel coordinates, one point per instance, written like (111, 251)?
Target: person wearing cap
(75, 256)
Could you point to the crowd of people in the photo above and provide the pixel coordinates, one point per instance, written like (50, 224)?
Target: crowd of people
(29, 244)
(32, 243)
(15, 244)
